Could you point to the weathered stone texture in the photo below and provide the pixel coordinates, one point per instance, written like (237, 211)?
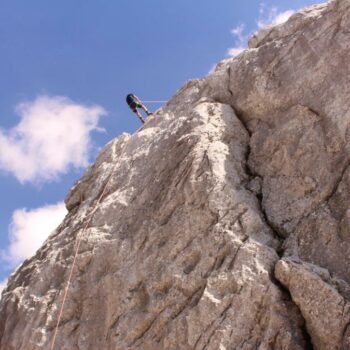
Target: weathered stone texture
(225, 223)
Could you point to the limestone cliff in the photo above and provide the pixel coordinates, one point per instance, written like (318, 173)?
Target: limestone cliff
(225, 223)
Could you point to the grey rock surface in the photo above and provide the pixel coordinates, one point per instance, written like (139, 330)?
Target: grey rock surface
(223, 222)
(325, 310)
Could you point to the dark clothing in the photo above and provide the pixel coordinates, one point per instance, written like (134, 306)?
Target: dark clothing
(133, 102)
(130, 99)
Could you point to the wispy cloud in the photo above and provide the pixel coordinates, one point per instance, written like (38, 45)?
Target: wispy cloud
(29, 229)
(272, 16)
(212, 69)
(240, 40)
(267, 17)
(52, 136)
(2, 286)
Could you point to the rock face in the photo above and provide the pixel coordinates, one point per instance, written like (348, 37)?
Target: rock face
(224, 222)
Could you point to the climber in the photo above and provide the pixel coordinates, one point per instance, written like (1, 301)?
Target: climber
(134, 102)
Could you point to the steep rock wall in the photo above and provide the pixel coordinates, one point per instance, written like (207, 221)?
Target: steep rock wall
(225, 222)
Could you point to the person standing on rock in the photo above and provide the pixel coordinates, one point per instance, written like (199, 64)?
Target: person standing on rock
(134, 103)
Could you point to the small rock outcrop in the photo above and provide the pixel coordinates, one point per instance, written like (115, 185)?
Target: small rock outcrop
(224, 222)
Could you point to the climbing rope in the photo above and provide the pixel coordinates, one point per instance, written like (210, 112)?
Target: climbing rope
(77, 246)
(154, 101)
(78, 242)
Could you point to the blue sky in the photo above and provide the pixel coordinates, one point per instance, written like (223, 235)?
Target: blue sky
(65, 69)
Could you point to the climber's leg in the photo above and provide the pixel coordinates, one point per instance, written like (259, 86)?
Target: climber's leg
(139, 115)
(145, 109)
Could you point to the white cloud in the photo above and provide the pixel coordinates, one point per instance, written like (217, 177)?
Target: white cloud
(272, 16)
(283, 17)
(2, 285)
(212, 69)
(241, 40)
(29, 229)
(52, 136)
(267, 17)
(238, 32)
(235, 51)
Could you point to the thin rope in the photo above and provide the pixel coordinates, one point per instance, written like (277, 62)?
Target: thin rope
(75, 258)
(78, 242)
(154, 101)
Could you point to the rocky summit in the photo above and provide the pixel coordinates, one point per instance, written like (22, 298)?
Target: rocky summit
(223, 223)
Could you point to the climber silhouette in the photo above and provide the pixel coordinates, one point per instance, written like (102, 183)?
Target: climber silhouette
(134, 103)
